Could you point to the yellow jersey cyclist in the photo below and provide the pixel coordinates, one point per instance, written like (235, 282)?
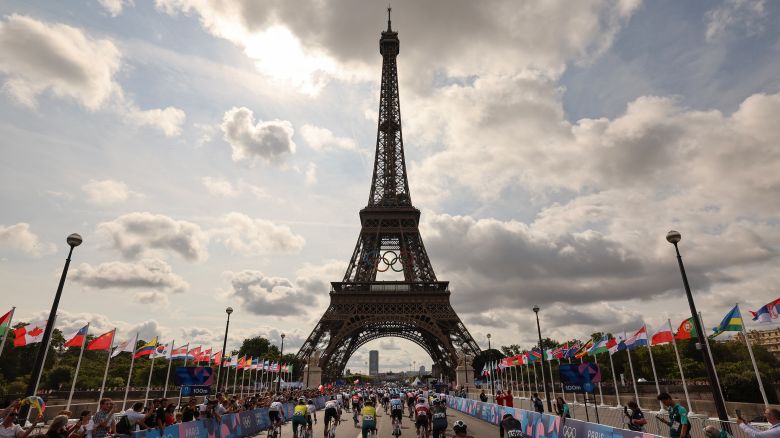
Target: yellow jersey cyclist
(369, 418)
(301, 417)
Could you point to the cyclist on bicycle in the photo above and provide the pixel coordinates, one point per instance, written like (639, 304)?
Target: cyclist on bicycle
(410, 399)
(386, 400)
(369, 418)
(422, 416)
(356, 401)
(510, 425)
(396, 408)
(438, 418)
(311, 410)
(275, 413)
(332, 411)
(301, 416)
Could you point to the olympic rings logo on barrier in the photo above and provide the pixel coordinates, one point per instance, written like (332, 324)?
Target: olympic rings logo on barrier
(568, 432)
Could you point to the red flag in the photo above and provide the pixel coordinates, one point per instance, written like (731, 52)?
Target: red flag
(662, 336)
(686, 330)
(217, 357)
(78, 339)
(102, 342)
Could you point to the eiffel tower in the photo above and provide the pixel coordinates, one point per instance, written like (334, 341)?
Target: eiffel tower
(363, 309)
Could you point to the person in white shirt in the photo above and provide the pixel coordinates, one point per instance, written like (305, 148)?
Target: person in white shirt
(311, 409)
(772, 416)
(9, 429)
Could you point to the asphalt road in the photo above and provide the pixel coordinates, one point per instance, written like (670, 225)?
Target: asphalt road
(476, 428)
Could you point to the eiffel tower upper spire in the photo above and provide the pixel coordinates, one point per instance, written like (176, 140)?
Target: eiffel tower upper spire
(389, 184)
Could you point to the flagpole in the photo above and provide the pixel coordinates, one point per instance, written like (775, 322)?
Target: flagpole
(679, 366)
(149, 382)
(7, 329)
(78, 366)
(528, 374)
(536, 378)
(130, 374)
(108, 361)
(235, 377)
(709, 351)
(552, 382)
(614, 379)
(652, 365)
(219, 369)
(563, 392)
(257, 373)
(170, 361)
(227, 374)
(186, 348)
(45, 353)
(243, 375)
(633, 378)
(601, 393)
(753, 359)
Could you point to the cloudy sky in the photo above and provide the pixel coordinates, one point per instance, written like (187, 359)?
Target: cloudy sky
(216, 153)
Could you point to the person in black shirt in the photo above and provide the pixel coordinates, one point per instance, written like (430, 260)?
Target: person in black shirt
(636, 419)
(191, 411)
(159, 415)
(482, 396)
(511, 426)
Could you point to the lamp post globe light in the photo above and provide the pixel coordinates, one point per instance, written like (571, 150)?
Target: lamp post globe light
(73, 241)
(536, 310)
(229, 310)
(279, 373)
(492, 377)
(674, 238)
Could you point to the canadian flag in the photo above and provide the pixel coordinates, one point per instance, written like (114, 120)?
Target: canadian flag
(30, 334)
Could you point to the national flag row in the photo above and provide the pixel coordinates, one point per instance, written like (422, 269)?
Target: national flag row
(665, 334)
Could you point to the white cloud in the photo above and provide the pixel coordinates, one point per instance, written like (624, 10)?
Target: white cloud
(731, 14)
(107, 191)
(250, 237)
(218, 186)
(321, 139)
(152, 274)
(38, 57)
(141, 234)
(311, 173)
(114, 7)
(19, 237)
(269, 141)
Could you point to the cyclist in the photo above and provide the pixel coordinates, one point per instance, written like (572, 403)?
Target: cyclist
(355, 401)
(410, 399)
(459, 427)
(369, 418)
(332, 411)
(438, 418)
(386, 400)
(422, 416)
(275, 413)
(300, 416)
(311, 411)
(510, 425)
(396, 409)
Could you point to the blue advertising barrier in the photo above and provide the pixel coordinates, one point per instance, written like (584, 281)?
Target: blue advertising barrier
(536, 425)
(240, 424)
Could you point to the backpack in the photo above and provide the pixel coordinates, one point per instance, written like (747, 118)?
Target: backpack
(124, 427)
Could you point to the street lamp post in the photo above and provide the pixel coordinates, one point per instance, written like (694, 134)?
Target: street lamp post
(229, 310)
(492, 377)
(73, 241)
(674, 238)
(279, 374)
(541, 350)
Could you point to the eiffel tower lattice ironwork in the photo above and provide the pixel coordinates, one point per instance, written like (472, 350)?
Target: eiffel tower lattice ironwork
(363, 309)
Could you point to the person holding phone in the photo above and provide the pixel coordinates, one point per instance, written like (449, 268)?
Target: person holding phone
(679, 426)
(772, 416)
(635, 418)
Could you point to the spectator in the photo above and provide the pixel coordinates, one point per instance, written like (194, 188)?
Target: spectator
(170, 414)
(159, 415)
(79, 429)
(679, 426)
(499, 398)
(191, 411)
(635, 418)
(104, 423)
(133, 419)
(772, 416)
(562, 408)
(9, 429)
(57, 428)
(537, 402)
(509, 399)
(482, 396)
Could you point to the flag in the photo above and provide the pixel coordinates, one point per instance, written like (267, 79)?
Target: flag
(147, 349)
(618, 343)
(572, 350)
(266, 365)
(255, 363)
(180, 353)
(687, 330)
(194, 353)
(126, 345)
(290, 368)
(102, 342)
(767, 313)
(732, 322)
(600, 346)
(234, 361)
(284, 368)
(204, 356)
(584, 349)
(559, 352)
(77, 339)
(548, 354)
(5, 322)
(217, 357)
(662, 336)
(161, 350)
(638, 339)
(30, 334)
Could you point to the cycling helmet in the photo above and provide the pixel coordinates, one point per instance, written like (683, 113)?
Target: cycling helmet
(436, 401)
(459, 426)
(420, 399)
(302, 400)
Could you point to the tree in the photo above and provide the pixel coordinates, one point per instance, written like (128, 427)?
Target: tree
(58, 376)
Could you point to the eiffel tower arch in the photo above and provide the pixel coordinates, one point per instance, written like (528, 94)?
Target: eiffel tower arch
(362, 308)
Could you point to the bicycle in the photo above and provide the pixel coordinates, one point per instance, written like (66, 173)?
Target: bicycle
(422, 432)
(276, 431)
(332, 428)
(396, 427)
(355, 417)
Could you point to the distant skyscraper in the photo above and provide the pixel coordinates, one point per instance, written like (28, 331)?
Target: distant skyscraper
(422, 370)
(373, 363)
